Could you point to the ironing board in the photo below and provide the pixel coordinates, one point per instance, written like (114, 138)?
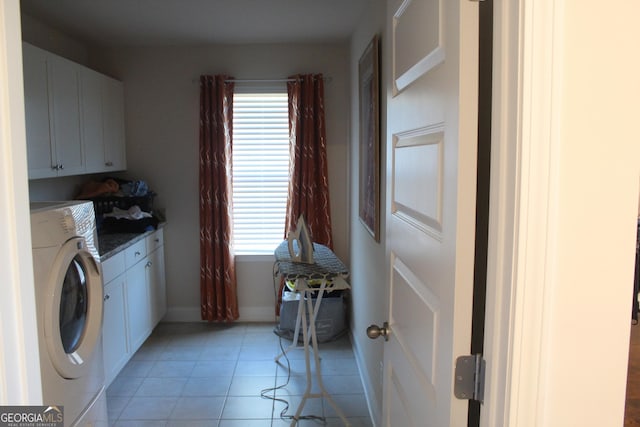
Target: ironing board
(327, 273)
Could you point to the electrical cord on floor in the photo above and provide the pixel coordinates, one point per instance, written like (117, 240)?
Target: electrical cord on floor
(265, 393)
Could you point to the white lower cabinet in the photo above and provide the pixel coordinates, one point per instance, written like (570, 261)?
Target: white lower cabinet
(114, 335)
(155, 276)
(135, 300)
(157, 288)
(138, 304)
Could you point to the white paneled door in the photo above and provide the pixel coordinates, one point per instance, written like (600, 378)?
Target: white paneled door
(431, 187)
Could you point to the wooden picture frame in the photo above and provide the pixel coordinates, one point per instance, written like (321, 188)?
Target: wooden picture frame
(369, 172)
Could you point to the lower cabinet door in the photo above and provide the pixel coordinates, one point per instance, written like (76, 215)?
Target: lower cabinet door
(157, 285)
(138, 308)
(114, 329)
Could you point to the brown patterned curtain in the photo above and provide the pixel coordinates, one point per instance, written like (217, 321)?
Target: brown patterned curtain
(308, 178)
(218, 291)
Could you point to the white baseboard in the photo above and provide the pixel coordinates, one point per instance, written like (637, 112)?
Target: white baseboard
(182, 314)
(247, 314)
(374, 408)
(257, 314)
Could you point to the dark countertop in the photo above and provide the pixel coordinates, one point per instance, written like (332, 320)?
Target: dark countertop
(111, 244)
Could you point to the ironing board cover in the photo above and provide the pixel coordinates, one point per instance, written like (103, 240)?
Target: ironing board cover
(326, 264)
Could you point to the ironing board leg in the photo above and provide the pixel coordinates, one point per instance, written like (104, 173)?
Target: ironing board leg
(311, 330)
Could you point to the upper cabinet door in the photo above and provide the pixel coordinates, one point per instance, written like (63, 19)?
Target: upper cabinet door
(65, 114)
(52, 114)
(114, 133)
(92, 120)
(102, 122)
(40, 149)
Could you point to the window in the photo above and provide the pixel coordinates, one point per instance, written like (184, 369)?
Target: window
(260, 170)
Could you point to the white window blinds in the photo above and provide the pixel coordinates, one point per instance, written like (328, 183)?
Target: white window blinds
(260, 170)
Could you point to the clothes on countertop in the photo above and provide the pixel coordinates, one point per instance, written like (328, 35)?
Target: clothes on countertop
(121, 206)
(113, 186)
(95, 188)
(132, 220)
(134, 188)
(133, 213)
(110, 225)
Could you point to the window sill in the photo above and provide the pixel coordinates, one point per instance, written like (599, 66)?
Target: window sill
(255, 258)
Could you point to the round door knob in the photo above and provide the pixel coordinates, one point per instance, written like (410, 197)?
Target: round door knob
(375, 331)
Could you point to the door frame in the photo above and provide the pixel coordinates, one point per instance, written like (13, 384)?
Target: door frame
(529, 306)
(20, 382)
(519, 170)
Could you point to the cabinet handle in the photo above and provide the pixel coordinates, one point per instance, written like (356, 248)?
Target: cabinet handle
(106, 297)
(55, 167)
(156, 240)
(61, 166)
(108, 164)
(149, 264)
(136, 253)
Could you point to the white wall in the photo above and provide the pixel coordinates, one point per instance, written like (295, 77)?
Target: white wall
(369, 275)
(48, 38)
(162, 113)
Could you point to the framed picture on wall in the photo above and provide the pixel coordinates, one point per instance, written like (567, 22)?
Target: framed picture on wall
(369, 93)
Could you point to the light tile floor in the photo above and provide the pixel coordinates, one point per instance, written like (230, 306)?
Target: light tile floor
(200, 374)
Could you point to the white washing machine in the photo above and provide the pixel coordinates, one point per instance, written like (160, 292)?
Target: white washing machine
(68, 290)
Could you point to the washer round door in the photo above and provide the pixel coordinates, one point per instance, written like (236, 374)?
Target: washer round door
(73, 318)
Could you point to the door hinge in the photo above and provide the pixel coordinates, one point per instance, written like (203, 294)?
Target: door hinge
(469, 378)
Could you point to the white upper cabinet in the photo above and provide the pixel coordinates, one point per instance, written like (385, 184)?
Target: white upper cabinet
(113, 117)
(92, 122)
(52, 115)
(102, 121)
(74, 117)
(64, 113)
(40, 149)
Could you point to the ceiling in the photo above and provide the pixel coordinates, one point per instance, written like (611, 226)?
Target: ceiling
(199, 22)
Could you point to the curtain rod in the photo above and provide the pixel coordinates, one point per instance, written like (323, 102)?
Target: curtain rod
(326, 80)
(259, 80)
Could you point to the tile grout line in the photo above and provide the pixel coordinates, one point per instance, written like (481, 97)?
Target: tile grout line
(168, 340)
